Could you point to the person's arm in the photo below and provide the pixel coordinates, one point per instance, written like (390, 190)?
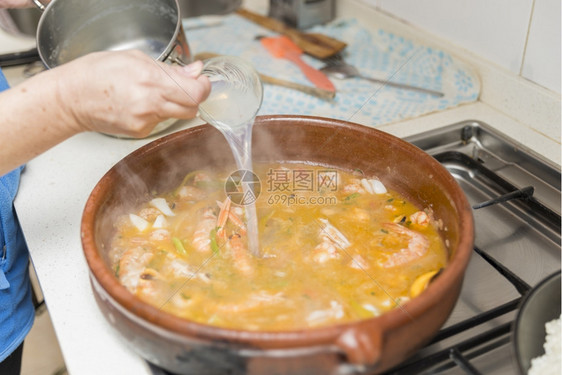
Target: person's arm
(17, 3)
(110, 92)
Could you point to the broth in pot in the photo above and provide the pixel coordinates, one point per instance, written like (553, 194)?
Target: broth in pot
(337, 247)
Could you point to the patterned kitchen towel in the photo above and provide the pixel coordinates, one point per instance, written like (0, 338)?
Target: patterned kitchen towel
(378, 54)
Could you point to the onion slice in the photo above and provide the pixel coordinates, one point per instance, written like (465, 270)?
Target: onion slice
(373, 186)
(139, 222)
(162, 205)
(378, 187)
(160, 222)
(366, 185)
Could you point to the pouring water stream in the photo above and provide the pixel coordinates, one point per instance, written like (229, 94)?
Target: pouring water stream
(235, 98)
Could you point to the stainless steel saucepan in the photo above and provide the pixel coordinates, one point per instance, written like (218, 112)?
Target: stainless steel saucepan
(539, 306)
(69, 29)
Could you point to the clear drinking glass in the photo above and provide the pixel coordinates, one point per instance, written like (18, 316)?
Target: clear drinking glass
(236, 93)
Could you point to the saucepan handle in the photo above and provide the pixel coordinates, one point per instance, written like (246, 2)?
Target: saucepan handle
(180, 54)
(361, 346)
(175, 60)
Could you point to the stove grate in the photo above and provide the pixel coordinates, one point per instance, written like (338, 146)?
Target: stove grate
(444, 359)
(487, 163)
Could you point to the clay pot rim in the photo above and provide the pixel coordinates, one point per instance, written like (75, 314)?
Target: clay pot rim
(279, 339)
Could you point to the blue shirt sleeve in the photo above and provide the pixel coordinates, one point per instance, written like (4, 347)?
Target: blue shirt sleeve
(16, 306)
(3, 82)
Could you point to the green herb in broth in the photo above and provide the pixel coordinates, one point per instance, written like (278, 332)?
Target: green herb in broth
(179, 246)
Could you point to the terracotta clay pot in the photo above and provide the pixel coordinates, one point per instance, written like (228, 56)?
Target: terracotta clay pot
(368, 346)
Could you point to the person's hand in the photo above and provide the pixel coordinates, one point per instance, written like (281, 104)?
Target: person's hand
(127, 92)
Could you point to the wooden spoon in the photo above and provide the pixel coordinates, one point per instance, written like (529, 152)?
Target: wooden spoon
(318, 45)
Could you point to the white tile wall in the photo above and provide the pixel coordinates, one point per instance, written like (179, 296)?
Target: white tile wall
(541, 63)
(500, 31)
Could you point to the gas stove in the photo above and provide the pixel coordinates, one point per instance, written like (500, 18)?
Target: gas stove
(517, 244)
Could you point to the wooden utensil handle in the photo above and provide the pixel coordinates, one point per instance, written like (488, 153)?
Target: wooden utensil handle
(310, 90)
(317, 45)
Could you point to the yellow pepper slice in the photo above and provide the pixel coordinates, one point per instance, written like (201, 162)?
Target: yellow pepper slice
(420, 284)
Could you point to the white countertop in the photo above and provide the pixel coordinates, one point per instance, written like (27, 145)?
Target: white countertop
(55, 187)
